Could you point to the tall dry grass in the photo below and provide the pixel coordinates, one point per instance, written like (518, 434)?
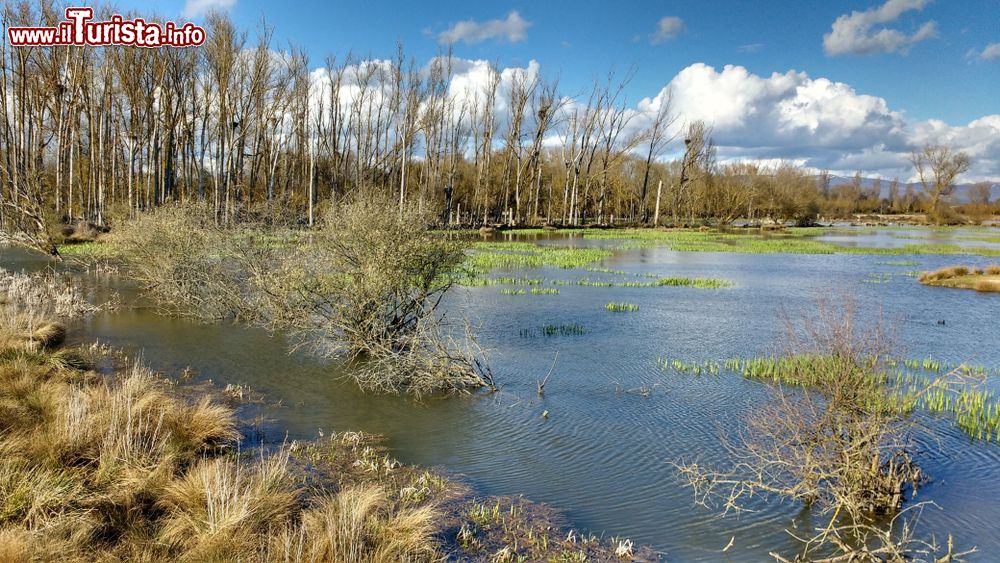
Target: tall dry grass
(987, 286)
(981, 279)
(126, 467)
(945, 273)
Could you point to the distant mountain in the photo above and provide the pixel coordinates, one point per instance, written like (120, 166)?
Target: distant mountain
(960, 195)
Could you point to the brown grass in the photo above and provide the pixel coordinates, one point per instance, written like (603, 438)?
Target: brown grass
(945, 273)
(987, 285)
(985, 280)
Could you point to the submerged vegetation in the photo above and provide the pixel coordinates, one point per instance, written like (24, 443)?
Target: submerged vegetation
(486, 256)
(621, 307)
(757, 241)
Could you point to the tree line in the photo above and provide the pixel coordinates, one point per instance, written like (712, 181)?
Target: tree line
(252, 132)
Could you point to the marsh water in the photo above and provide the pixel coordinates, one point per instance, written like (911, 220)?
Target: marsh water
(617, 421)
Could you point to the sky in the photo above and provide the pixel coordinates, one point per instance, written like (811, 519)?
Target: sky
(843, 85)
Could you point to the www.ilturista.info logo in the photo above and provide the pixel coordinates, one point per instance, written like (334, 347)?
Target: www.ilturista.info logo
(79, 30)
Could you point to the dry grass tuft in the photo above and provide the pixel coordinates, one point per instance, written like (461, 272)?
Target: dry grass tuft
(222, 506)
(49, 335)
(988, 286)
(945, 273)
(985, 280)
(358, 525)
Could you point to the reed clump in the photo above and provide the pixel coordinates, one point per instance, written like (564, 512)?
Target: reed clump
(945, 273)
(985, 280)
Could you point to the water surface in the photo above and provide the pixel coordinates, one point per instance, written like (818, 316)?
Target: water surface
(616, 421)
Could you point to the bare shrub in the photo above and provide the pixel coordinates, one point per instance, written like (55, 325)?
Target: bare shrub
(366, 286)
(833, 435)
(179, 254)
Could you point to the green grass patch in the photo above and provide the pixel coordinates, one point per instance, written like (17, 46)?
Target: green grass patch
(544, 291)
(897, 385)
(621, 307)
(486, 256)
(788, 241)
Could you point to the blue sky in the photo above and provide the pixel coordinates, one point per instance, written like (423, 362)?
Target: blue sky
(583, 39)
(927, 59)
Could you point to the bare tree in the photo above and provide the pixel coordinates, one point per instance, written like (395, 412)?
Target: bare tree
(658, 137)
(937, 169)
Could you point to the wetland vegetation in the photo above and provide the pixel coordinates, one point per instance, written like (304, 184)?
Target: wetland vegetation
(503, 284)
(985, 279)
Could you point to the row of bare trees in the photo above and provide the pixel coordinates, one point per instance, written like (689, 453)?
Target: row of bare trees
(97, 135)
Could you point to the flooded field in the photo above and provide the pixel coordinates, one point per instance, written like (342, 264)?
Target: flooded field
(601, 442)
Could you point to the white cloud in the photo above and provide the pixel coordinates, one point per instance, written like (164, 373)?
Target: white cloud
(815, 121)
(513, 29)
(666, 29)
(790, 116)
(858, 33)
(196, 8)
(989, 53)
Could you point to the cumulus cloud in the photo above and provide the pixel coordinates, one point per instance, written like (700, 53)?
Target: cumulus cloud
(514, 28)
(989, 53)
(860, 33)
(196, 8)
(666, 29)
(820, 123)
(789, 116)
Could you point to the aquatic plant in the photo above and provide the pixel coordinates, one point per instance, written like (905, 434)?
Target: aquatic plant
(486, 256)
(473, 281)
(608, 271)
(621, 307)
(708, 283)
(544, 291)
(789, 241)
(877, 277)
(506, 291)
(680, 366)
(563, 330)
